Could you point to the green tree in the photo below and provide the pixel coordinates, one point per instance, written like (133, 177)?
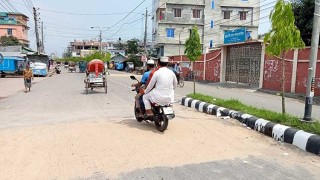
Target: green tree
(282, 37)
(105, 57)
(133, 46)
(303, 12)
(135, 59)
(193, 50)
(9, 41)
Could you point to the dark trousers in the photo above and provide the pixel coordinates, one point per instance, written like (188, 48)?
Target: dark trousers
(178, 77)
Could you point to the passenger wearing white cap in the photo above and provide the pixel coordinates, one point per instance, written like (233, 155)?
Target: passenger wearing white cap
(144, 79)
(160, 90)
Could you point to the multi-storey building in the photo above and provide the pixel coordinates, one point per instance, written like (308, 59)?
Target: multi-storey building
(14, 24)
(174, 19)
(86, 47)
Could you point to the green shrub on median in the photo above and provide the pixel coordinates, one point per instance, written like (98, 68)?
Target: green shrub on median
(284, 119)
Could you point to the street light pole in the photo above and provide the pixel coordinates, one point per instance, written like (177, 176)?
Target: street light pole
(180, 44)
(312, 62)
(100, 38)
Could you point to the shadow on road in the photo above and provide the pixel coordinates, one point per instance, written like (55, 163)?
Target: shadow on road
(144, 126)
(93, 92)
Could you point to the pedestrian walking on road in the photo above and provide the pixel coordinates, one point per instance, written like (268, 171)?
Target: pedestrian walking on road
(27, 76)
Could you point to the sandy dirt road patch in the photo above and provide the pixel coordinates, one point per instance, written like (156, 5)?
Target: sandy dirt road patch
(113, 147)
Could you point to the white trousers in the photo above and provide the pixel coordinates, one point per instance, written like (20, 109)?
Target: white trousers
(146, 100)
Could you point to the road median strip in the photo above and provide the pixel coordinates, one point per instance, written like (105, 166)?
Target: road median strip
(284, 133)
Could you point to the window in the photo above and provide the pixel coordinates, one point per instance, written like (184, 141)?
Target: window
(211, 43)
(9, 32)
(212, 4)
(196, 13)
(211, 24)
(177, 12)
(243, 15)
(170, 32)
(226, 14)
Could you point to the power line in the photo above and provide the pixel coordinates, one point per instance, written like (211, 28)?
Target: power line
(232, 18)
(85, 14)
(30, 3)
(28, 7)
(9, 8)
(11, 5)
(127, 15)
(131, 22)
(4, 7)
(243, 24)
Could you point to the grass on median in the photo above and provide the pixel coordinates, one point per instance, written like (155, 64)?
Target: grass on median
(284, 119)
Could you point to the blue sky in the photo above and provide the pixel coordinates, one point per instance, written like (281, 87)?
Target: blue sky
(61, 28)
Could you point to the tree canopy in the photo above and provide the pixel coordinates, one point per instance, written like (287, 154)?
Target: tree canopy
(193, 45)
(105, 57)
(9, 41)
(283, 35)
(303, 12)
(133, 46)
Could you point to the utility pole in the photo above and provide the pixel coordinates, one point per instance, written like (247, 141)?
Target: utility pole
(35, 16)
(312, 62)
(145, 34)
(100, 37)
(100, 40)
(42, 38)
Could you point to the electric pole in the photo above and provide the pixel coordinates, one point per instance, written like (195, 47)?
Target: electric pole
(42, 38)
(35, 16)
(145, 33)
(312, 62)
(100, 40)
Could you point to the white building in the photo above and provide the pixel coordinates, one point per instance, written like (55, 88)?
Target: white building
(174, 19)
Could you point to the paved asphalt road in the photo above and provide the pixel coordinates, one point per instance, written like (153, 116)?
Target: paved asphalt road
(58, 132)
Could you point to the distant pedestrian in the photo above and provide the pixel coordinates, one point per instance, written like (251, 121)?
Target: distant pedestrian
(178, 71)
(27, 76)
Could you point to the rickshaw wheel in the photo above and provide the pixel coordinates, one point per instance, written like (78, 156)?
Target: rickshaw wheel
(87, 90)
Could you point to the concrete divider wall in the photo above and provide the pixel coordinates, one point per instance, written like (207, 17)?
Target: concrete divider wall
(304, 140)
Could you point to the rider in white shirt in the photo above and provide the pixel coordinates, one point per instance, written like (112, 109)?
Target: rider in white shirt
(160, 90)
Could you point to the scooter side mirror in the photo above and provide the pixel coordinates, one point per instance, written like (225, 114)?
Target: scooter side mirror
(133, 78)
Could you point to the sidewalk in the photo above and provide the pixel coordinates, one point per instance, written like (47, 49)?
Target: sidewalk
(249, 95)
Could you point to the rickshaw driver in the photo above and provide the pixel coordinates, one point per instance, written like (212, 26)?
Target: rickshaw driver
(144, 79)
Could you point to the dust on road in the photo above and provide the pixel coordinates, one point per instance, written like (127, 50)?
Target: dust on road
(114, 147)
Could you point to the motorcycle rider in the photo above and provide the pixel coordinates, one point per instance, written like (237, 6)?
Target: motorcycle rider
(144, 79)
(160, 90)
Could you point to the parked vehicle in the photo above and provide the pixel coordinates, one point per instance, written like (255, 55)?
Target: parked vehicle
(119, 66)
(82, 66)
(130, 67)
(162, 114)
(39, 69)
(11, 65)
(96, 76)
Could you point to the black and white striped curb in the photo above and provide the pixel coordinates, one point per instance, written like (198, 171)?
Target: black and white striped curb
(306, 141)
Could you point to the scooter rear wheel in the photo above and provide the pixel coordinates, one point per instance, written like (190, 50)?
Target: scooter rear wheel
(163, 124)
